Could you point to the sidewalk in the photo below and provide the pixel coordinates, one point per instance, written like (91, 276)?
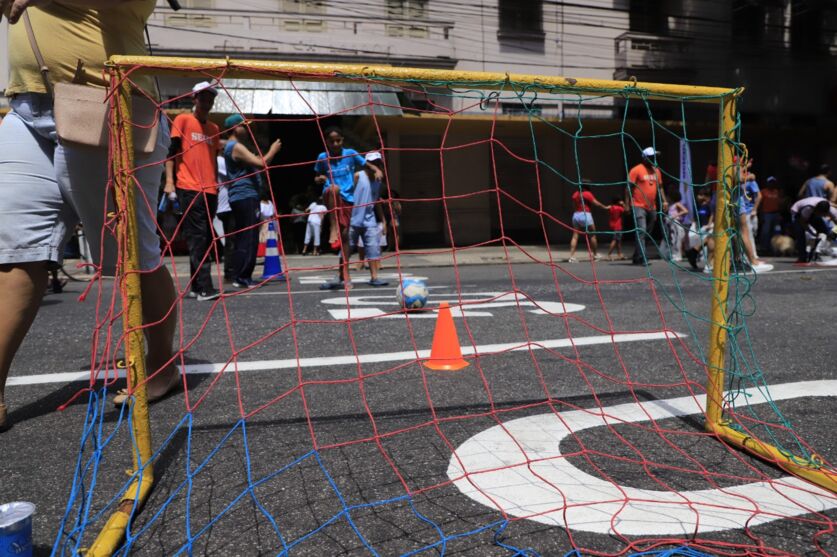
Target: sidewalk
(430, 257)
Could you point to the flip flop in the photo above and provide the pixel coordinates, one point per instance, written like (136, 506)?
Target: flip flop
(122, 395)
(377, 282)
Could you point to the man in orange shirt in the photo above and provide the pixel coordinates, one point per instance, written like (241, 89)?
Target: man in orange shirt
(646, 184)
(192, 171)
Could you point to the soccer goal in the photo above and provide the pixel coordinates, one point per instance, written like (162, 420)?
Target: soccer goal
(597, 407)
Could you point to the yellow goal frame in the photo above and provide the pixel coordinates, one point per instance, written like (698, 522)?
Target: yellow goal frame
(128, 277)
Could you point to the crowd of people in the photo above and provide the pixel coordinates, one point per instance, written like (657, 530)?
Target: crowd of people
(215, 172)
(766, 221)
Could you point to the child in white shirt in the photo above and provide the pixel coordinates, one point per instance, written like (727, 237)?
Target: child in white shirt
(312, 229)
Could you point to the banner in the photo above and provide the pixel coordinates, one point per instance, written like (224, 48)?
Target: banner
(686, 193)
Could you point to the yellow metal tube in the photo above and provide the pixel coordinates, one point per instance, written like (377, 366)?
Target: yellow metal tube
(128, 280)
(826, 479)
(266, 69)
(719, 327)
(718, 330)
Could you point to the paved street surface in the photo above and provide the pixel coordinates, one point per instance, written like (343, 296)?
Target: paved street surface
(332, 457)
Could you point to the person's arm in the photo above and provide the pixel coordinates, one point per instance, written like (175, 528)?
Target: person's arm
(242, 154)
(171, 164)
(681, 210)
(829, 187)
(320, 168)
(661, 189)
(379, 213)
(757, 201)
(598, 203)
(631, 184)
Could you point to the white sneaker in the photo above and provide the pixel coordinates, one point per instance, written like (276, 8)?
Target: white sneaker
(209, 295)
(572, 260)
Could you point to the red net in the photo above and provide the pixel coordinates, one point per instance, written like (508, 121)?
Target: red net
(310, 422)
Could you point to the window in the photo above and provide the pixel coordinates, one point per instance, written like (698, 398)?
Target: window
(521, 20)
(312, 8)
(407, 9)
(408, 15)
(648, 16)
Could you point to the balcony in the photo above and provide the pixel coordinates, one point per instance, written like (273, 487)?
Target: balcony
(653, 58)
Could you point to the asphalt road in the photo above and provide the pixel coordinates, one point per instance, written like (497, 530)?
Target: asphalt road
(350, 456)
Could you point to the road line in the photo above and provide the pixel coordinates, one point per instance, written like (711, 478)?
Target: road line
(292, 363)
(519, 467)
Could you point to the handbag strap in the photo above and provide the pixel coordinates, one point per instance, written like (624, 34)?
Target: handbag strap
(43, 68)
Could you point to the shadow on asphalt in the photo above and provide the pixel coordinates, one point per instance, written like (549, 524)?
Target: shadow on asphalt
(74, 392)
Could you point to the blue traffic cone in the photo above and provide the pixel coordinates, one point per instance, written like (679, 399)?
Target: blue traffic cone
(272, 262)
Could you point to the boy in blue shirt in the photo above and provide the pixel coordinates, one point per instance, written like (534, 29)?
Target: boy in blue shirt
(335, 171)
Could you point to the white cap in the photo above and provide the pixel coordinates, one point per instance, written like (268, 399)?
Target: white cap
(649, 152)
(204, 86)
(373, 156)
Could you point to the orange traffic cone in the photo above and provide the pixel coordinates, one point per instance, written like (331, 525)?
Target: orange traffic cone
(445, 353)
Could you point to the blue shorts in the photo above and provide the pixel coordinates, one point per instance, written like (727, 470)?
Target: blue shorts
(582, 220)
(46, 188)
(371, 243)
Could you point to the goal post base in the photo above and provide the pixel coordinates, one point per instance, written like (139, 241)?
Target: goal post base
(786, 461)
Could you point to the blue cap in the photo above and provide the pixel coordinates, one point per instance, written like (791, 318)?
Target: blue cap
(233, 121)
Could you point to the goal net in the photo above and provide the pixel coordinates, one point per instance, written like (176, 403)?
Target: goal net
(604, 405)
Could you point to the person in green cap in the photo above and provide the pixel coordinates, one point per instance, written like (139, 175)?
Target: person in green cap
(243, 169)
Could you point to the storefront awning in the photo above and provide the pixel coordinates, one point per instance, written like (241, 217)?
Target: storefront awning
(306, 98)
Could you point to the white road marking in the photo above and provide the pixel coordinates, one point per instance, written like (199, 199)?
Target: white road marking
(470, 306)
(549, 489)
(369, 313)
(292, 363)
(360, 277)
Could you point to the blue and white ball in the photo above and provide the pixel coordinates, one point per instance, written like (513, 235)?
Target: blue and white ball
(411, 294)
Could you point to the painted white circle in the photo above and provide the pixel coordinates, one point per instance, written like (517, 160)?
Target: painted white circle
(469, 301)
(518, 468)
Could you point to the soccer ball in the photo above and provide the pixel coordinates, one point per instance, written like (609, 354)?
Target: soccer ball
(411, 294)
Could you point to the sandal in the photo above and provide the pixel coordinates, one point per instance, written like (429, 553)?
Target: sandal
(122, 395)
(377, 282)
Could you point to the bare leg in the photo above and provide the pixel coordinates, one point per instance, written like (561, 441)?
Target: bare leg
(22, 287)
(745, 239)
(594, 242)
(347, 253)
(330, 200)
(573, 244)
(158, 307)
(373, 269)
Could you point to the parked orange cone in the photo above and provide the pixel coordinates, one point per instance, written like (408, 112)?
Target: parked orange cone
(445, 354)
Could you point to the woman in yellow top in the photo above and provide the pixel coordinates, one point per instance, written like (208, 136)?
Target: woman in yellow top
(46, 187)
